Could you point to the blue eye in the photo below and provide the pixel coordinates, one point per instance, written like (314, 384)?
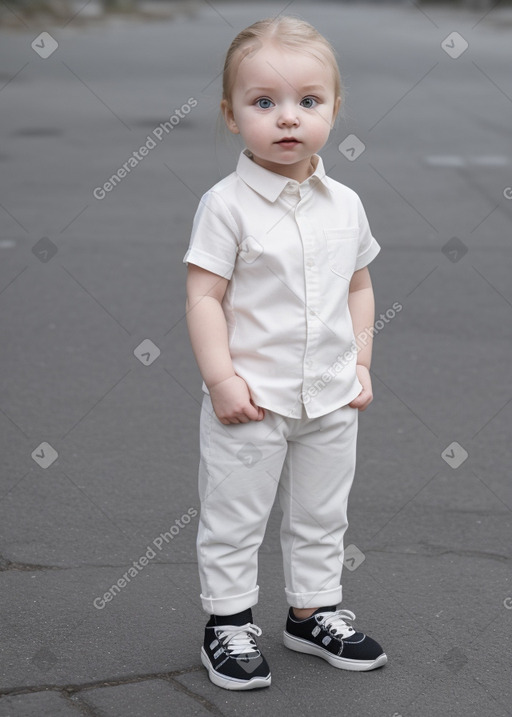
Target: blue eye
(309, 102)
(264, 103)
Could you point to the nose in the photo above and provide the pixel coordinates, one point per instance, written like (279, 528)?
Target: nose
(288, 116)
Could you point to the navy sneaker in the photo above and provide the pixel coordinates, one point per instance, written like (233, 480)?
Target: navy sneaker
(329, 634)
(232, 657)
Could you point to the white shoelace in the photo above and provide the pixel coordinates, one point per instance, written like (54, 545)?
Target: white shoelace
(336, 622)
(238, 639)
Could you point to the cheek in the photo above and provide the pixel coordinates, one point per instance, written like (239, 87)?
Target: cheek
(255, 125)
(246, 119)
(322, 125)
(317, 129)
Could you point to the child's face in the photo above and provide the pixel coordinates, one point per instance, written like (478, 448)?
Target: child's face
(281, 95)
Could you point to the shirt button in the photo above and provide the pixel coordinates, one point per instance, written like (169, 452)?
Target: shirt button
(291, 187)
(310, 263)
(309, 363)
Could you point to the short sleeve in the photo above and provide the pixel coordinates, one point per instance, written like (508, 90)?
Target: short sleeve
(368, 246)
(214, 239)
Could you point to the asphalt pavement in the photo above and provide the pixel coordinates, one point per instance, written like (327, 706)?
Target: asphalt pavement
(110, 136)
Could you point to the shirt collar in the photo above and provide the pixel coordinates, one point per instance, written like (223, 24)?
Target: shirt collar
(269, 184)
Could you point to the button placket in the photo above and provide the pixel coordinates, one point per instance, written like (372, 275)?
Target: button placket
(312, 292)
(290, 194)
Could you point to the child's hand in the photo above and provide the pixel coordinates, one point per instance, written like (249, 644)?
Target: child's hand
(364, 399)
(232, 403)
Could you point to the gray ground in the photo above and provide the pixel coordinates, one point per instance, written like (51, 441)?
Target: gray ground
(84, 281)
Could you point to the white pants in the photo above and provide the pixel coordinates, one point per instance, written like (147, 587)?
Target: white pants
(310, 463)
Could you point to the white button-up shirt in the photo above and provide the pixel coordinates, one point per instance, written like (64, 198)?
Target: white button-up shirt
(289, 251)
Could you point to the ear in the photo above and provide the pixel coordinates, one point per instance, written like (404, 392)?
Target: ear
(229, 117)
(337, 105)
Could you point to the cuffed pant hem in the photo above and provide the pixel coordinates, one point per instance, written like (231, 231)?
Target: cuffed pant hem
(320, 598)
(230, 605)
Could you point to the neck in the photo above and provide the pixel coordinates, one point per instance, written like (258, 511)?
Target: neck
(299, 171)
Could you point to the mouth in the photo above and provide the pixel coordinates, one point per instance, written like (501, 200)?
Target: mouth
(288, 142)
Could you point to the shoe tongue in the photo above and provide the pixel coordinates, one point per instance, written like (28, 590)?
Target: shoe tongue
(241, 618)
(331, 608)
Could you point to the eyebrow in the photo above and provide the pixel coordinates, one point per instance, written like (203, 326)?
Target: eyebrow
(313, 88)
(305, 89)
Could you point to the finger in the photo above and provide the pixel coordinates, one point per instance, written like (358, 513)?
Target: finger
(252, 412)
(366, 403)
(259, 414)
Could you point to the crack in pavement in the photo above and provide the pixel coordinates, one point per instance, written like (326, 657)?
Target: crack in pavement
(73, 691)
(195, 696)
(433, 551)
(6, 565)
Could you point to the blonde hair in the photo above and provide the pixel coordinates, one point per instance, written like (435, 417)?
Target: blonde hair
(289, 32)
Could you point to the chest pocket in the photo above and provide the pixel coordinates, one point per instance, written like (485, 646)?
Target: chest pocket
(342, 245)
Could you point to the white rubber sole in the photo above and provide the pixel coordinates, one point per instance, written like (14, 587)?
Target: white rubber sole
(232, 683)
(300, 645)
